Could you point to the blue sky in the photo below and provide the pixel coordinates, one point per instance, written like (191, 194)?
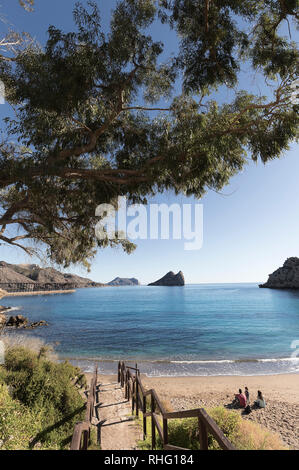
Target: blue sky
(249, 229)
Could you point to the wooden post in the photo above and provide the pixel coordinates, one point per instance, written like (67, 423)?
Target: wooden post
(126, 389)
(136, 390)
(133, 398)
(144, 418)
(153, 422)
(118, 372)
(85, 440)
(128, 385)
(203, 435)
(165, 432)
(121, 376)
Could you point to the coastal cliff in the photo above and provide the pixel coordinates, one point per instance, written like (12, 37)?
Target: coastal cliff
(170, 279)
(31, 277)
(286, 277)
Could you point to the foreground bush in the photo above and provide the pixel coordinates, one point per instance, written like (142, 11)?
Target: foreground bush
(43, 403)
(18, 424)
(243, 434)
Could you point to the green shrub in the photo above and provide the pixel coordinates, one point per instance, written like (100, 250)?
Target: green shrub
(181, 433)
(243, 434)
(18, 424)
(229, 421)
(47, 390)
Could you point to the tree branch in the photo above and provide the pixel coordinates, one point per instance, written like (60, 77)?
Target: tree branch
(143, 108)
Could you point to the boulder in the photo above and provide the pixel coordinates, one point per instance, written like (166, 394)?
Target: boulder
(4, 309)
(2, 320)
(17, 321)
(170, 279)
(285, 277)
(36, 324)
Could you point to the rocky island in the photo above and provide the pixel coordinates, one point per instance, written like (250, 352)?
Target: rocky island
(170, 279)
(285, 277)
(124, 281)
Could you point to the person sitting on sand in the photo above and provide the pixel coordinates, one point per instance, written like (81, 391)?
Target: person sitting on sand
(247, 396)
(260, 401)
(240, 398)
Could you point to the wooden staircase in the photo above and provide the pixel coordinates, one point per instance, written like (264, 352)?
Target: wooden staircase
(113, 408)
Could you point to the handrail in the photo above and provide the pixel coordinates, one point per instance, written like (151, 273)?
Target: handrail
(135, 392)
(81, 432)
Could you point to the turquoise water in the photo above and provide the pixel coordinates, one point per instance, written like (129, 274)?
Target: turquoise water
(220, 329)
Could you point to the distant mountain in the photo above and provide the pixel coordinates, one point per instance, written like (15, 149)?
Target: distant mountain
(124, 281)
(170, 279)
(32, 273)
(286, 277)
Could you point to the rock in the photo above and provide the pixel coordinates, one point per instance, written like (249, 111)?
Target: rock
(2, 320)
(170, 279)
(36, 324)
(286, 277)
(4, 309)
(17, 321)
(124, 281)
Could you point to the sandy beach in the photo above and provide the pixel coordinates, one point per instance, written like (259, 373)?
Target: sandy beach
(281, 392)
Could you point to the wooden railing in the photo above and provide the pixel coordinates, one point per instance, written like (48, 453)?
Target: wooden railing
(135, 392)
(81, 433)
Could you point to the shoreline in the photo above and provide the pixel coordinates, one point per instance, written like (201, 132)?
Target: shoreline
(187, 369)
(287, 388)
(46, 292)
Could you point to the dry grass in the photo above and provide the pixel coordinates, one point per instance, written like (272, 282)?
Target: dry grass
(28, 342)
(245, 434)
(167, 405)
(255, 437)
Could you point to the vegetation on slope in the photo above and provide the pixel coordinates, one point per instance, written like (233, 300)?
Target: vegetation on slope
(40, 401)
(243, 434)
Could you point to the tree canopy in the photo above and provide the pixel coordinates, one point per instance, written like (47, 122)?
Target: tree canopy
(103, 114)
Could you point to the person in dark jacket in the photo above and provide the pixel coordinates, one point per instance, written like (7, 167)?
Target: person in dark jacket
(247, 396)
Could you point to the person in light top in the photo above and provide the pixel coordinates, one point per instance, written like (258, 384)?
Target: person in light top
(260, 402)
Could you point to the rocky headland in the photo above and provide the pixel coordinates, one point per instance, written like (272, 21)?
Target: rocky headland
(285, 277)
(31, 277)
(170, 279)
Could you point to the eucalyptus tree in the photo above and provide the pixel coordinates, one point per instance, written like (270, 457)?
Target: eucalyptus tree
(104, 112)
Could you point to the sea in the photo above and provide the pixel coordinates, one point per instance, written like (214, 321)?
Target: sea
(195, 330)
